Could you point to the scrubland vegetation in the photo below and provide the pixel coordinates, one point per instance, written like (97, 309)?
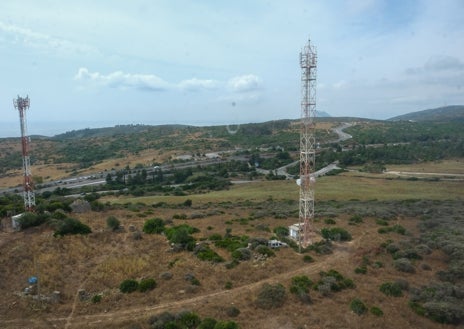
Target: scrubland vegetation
(186, 249)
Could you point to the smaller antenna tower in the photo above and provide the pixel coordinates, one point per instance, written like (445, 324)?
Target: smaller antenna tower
(308, 63)
(22, 104)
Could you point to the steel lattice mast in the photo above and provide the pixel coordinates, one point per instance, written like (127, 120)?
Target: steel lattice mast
(22, 104)
(308, 63)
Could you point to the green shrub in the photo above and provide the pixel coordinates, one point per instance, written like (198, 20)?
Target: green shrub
(29, 219)
(356, 219)
(188, 320)
(228, 285)
(308, 259)
(264, 250)
(71, 226)
(147, 284)
(226, 325)
(128, 286)
(358, 307)
(395, 228)
(241, 254)
(404, 265)
(381, 222)
(300, 287)
(207, 254)
(271, 296)
(332, 281)
(300, 283)
(96, 298)
(207, 323)
(180, 235)
(153, 225)
(281, 231)
(330, 221)
(376, 311)
(336, 234)
(113, 223)
(361, 269)
(391, 289)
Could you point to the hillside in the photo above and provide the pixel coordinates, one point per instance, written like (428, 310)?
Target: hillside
(384, 226)
(440, 114)
(193, 234)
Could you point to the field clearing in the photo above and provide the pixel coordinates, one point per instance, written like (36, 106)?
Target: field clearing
(455, 166)
(341, 187)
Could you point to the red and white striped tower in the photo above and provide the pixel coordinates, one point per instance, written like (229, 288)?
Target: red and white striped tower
(22, 104)
(308, 63)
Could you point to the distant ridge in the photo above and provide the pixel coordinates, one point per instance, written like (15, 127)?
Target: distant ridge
(446, 113)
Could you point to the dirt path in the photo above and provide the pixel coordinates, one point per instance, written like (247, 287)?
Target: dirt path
(143, 312)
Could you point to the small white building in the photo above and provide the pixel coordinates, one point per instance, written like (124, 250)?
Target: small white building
(294, 231)
(15, 225)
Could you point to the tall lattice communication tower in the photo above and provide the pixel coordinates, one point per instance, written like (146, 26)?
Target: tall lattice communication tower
(308, 63)
(22, 104)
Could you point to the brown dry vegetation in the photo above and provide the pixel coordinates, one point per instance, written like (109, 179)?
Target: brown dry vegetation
(100, 261)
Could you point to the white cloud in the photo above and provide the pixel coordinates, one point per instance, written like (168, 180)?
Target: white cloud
(15, 34)
(244, 83)
(123, 80)
(247, 84)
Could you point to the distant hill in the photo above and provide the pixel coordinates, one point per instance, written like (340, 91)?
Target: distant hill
(446, 113)
(322, 114)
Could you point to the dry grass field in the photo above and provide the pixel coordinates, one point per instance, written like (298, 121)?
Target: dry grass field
(100, 261)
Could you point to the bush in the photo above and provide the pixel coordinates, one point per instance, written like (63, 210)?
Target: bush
(404, 265)
(281, 231)
(330, 221)
(188, 320)
(300, 287)
(391, 289)
(356, 219)
(113, 223)
(332, 281)
(128, 286)
(241, 254)
(376, 311)
(308, 259)
(29, 219)
(207, 323)
(180, 235)
(300, 283)
(264, 250)
(226, 325)
(271, 296)
(204, 252)
(336, 234)
(444, 312)
(71, 226)
(358, 307)
(96, 298)
(153, 225)
(361, 269)
(147, 284)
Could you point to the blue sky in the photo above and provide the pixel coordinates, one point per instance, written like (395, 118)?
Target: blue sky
(100, 63)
